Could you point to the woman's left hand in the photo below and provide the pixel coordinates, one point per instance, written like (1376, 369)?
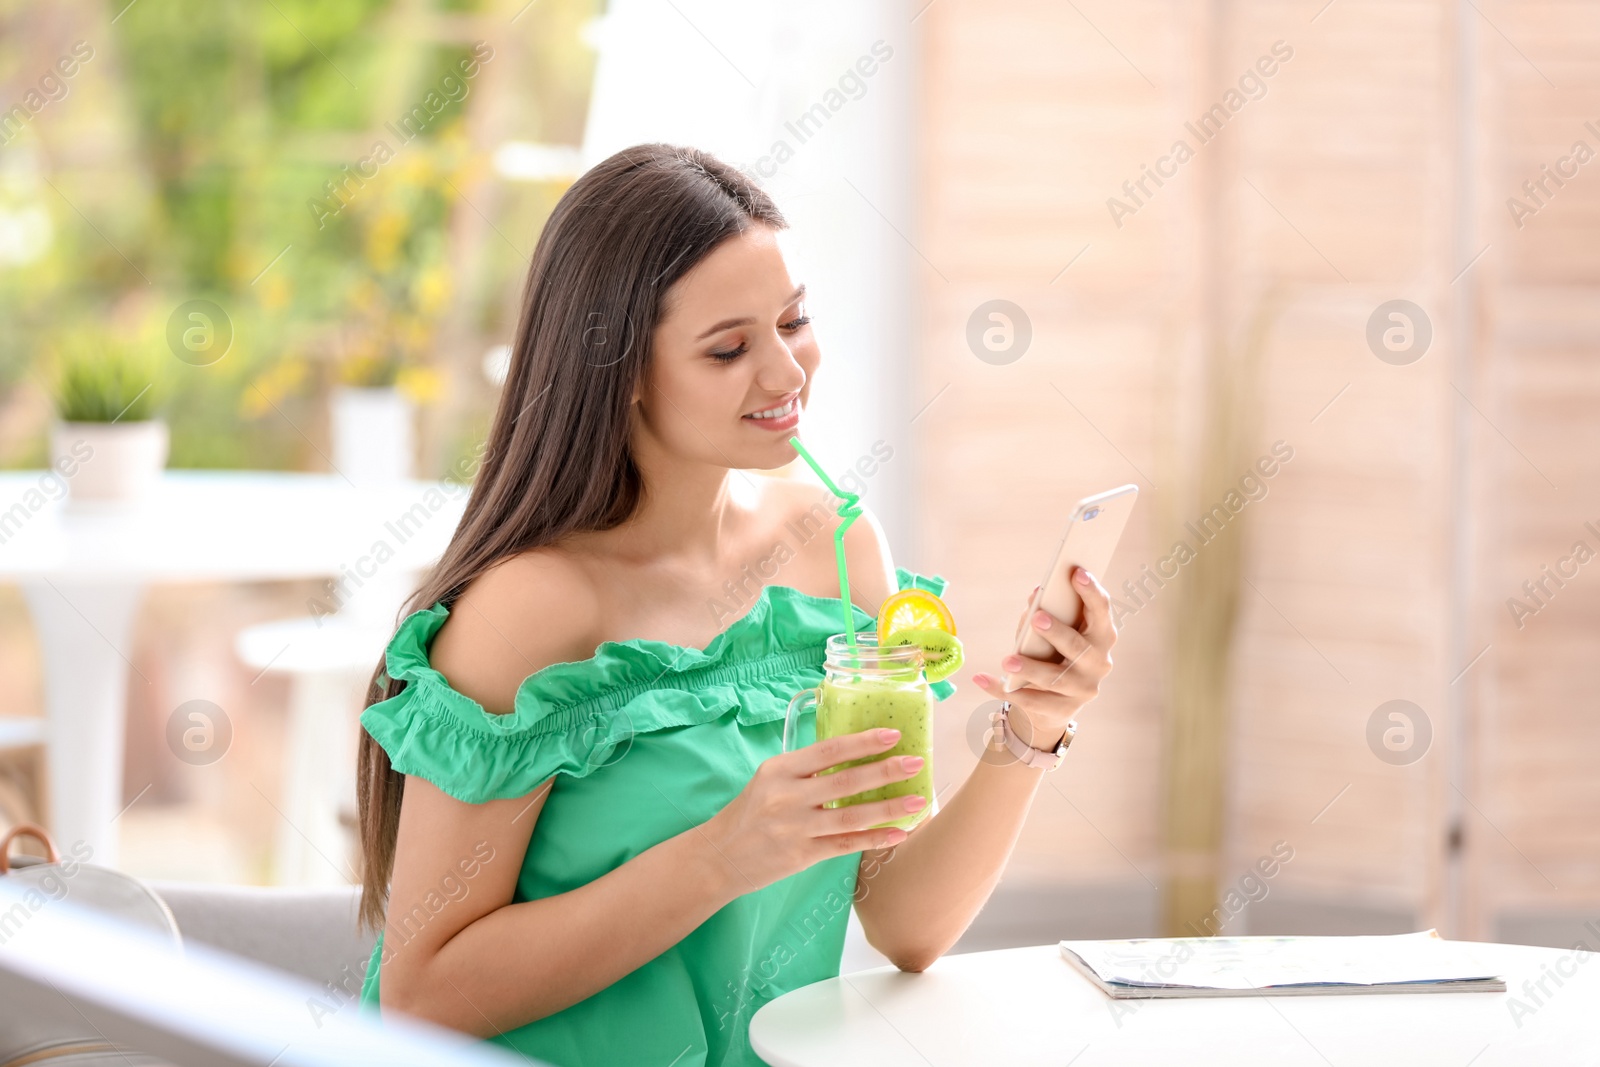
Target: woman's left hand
(1054, 692)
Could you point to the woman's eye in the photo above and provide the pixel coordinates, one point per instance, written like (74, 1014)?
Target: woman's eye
(791, 326)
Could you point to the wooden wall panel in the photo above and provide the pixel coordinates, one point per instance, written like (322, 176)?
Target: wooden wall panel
(1538, 835)
(1339, 189)
(1006, 205)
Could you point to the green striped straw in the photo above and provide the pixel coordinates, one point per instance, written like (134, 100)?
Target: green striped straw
(849, 511)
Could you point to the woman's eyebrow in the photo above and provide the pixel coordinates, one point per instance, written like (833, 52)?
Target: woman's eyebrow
(728, 324)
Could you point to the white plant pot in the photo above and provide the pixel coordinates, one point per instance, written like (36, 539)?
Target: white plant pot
(374, 437)
(109, 461)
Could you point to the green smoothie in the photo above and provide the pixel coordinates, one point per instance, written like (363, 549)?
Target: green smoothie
(849, 707)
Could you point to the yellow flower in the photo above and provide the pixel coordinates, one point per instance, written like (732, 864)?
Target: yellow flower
(274, 292)
(383, 239)
(364, 365)
(414, 333)
(415, 169)
(422, 384)
(365, 294)
(271, 386)
(432, 290)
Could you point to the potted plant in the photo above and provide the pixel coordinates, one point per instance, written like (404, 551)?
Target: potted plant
(107, 439)
(373, 423)
(382, 373)
(392, 307)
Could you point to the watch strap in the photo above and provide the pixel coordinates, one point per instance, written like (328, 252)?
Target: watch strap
(1038, 758)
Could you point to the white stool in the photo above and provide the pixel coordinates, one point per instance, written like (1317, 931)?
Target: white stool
(21, 771)
(328, 666)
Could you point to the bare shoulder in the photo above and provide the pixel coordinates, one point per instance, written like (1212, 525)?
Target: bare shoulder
(524, 613)
(813, 515)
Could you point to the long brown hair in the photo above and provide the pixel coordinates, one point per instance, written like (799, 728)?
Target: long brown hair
(557, 460)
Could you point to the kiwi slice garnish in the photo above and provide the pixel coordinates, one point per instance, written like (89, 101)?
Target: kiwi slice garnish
(941, 652)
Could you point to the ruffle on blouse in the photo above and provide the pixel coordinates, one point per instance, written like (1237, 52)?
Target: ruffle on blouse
(570, 717)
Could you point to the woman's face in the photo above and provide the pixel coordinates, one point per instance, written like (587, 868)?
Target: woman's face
(733, 340)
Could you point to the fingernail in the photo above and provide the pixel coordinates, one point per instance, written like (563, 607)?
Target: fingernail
(1041, 619)
(887, 736)
(1083, 577)
(1011, 663)
(911, 764)
(981, 680)
(916, 803)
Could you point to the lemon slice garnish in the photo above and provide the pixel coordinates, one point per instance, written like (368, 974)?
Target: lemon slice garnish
(918, 617)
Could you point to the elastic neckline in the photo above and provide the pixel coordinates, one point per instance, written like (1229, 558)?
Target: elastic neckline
(551, 693)
(710, 651)
(568, 717)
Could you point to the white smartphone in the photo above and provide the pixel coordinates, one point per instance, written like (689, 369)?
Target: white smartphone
(1089, 542)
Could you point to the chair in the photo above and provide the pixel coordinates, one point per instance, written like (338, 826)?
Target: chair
(328, 662)
(308, 932)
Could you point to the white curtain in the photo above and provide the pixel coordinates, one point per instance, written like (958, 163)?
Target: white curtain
(831, 83)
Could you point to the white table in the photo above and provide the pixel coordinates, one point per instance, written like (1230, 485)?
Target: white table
(83, 570)
(1027, 1007)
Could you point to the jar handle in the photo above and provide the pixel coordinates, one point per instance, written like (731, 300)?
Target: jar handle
(791, 732)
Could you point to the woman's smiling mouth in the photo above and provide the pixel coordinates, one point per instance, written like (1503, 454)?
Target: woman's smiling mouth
(784, 416)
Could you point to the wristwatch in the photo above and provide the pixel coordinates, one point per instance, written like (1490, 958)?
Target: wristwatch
(1038, 758)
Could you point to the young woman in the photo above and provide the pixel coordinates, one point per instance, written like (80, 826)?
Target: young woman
(582, 837)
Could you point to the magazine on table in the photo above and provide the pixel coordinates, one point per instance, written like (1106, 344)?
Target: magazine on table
(1282, 966)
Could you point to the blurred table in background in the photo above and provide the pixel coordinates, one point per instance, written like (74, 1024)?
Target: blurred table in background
(83, 568)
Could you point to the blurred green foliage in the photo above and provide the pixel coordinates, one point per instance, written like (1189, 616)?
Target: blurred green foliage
(188, 167)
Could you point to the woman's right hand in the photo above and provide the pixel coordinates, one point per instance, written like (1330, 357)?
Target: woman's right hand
(777, 825)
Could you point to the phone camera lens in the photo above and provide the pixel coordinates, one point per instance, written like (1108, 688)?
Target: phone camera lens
(1091, 513)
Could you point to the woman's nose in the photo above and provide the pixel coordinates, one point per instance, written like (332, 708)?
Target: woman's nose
(781, 372)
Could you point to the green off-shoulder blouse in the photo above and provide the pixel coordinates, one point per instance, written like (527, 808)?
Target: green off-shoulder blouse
(650, 739)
